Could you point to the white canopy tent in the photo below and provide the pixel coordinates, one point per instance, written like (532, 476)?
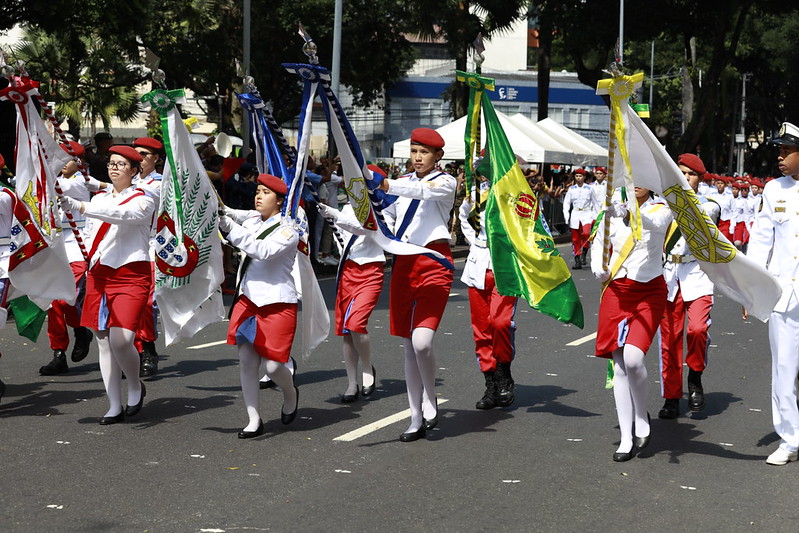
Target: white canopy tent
(591, 153)
(543, 142)
(523, 145)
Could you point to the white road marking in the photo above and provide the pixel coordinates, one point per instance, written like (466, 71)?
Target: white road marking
(582, 340)
(206, 345)
(380, 424)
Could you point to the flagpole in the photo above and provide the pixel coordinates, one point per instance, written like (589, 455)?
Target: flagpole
(58, 190)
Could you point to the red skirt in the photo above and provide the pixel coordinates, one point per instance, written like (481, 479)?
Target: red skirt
(116, 297)
(358, 291)
(419, 291)
(269, 328)
(630, 312)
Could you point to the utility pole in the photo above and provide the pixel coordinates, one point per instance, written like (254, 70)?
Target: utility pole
(740, 138)
(245, 123)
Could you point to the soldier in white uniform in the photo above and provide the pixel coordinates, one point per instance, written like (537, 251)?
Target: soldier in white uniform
(690, 292)
(725, 224)
(776, 234)
(580, 209)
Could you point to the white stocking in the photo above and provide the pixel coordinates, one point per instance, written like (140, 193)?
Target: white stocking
(127, 359)
(112, 375)
(637, 377)
(281, 375)
(351, 364)
(364, 348)
(249, 361)
(423, 346)
(413, 383)
(629, 392)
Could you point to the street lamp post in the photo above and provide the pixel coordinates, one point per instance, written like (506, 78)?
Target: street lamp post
(740, 138)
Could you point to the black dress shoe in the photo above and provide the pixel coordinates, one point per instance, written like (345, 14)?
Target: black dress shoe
(432, 422)
(268, 384)
(641, 442)
(108, 420)
(289, 418)
(411, 436)
(349, 398)
(83, 340)
(367, 391)
(132, 410)
(250, 434)
(2, 389)
(620, 457)
(670, 409)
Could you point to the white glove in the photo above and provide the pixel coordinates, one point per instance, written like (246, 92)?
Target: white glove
(94, 185)
(70, 204)
(327, 212)
(602, 275)
(225, 223)
(617, 210)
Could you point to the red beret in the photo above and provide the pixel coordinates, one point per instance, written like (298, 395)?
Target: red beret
(580, 171)
(149, 142)
(127, 152)
(78, 148)
(427, 137)
(375, 168)
(693, 162)
(600, 169)
(2, 161)
(273, 183)
(743, 185)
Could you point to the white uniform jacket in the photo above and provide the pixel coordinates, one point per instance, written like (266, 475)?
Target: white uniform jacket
(681, 269)
(725, 202)
(778, 222)
(479, 260)
(267, 277)
(127, 239)
(582, 203)
(364, 250)
(644, 262)
(436, 193)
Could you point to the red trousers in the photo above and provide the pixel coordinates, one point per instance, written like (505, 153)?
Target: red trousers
(741, 233)
(147, 332)
(492, 325)
(61, 314)
(672, 327)
(580, 238)
(724, 228)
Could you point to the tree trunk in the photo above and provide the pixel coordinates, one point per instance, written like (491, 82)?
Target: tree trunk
(544, 65)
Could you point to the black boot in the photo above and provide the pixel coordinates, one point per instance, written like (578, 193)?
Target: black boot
(505, 385)
(489, 399)
(578, 264)
(83, 339)
(57, 366)
(670, 409)
(696, 394)
(149, 360)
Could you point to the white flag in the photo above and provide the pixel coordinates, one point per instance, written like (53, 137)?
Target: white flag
(188, 250)
(735, 275)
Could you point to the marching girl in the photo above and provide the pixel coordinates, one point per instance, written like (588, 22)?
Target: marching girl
(360, 281)
(264, 316)
(630, 310)
(118, 225)
(420, 285)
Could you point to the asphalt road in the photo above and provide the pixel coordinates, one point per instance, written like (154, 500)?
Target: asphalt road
(543, 464)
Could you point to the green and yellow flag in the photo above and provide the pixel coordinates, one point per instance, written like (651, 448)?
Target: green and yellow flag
(525, 260)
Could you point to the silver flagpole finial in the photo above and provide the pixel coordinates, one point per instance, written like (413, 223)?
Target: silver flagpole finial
(479, 48)
(158, 77)
(309, 48)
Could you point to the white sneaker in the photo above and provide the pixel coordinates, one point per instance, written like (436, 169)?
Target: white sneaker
(781, 456)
